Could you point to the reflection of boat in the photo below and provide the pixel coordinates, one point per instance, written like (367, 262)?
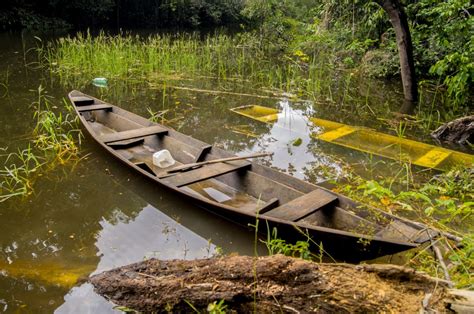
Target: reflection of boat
(242, 191)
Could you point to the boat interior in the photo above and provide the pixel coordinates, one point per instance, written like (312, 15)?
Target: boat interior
(229, 184)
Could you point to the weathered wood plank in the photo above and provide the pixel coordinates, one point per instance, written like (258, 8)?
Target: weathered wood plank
(202, 153)
(337, 218)
(303, 206)
(461, 301)
(146, 167)
(205, 172)
(130, 134)
(399, 230)
(94, 107)
(267, 206)
(126, 143)
(82, 100)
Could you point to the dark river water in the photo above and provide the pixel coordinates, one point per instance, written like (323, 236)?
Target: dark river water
(93, 215)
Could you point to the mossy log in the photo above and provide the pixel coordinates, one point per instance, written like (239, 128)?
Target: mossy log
(270, 284)
(460, 131)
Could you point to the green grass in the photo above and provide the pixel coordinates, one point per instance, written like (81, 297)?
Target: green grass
(57, 134)
(159, 61)
(134, 59)
(56, 141)
(16, 177)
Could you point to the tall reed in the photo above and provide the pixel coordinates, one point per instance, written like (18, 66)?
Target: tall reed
(131, 58)
(56, 141)
(57, 134)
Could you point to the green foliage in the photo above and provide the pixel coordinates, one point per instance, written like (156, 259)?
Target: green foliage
(217, 307)
(56, 141)
(53, 14)
(124, 309)
(462, 261)
(276, 245)
(448, 197)
(57, 134)
(359, 32)
(442, 33)
(373, 188)
(16, 176)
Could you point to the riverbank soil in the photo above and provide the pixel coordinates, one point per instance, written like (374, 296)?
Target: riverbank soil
(270, 284)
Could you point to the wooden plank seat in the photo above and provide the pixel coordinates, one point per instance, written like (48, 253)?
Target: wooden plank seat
(204, 173)
(94, 107)
(135, 133)
(82, 100)
(303, 206)
(267, 206)
(126, 143)
(204, 150)
(146, 167)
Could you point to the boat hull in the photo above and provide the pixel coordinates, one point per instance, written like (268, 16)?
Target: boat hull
(340, 245)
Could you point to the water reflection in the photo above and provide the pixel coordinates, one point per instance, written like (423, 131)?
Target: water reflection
(288, 138)
(124, 240)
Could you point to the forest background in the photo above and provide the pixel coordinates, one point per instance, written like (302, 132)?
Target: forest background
(358, 32)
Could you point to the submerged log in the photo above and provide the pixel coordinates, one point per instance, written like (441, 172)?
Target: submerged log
(459, 131)
(269, 284)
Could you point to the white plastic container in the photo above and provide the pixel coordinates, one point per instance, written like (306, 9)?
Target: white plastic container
(163, 159)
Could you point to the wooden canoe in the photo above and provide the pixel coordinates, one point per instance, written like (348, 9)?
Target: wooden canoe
(244, 191)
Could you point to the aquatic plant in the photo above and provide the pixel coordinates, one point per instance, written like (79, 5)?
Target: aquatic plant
(158, 57)
(56, 140)
(159, 61)
(275, 245)
(217, 307)
(17, 175)
(56, 134)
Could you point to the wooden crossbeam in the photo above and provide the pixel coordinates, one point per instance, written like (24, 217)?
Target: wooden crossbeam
(204, 173)
(303, 206)
(94, 107)
(202, 153)
(82, 100)
(135, 133)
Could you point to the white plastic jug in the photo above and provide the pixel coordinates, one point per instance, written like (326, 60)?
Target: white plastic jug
(163, 159)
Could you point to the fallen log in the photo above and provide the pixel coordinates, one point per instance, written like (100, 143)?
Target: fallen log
(459, 131)
(272, 283)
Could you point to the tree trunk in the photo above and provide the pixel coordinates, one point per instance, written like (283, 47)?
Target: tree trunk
(271, 284)
(399, 22)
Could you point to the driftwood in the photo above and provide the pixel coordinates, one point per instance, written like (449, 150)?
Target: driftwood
(271, 284)
(459, 131)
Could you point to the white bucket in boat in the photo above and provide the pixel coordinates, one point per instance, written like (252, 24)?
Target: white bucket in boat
(163, 159)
